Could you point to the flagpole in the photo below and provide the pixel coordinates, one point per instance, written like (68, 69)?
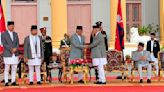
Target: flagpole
(119, 40)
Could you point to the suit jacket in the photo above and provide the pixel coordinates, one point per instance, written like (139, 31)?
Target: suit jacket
(8, 44)
(76, 47)
(156, 48)
(98, 49)
(27, 48)
(105, 39)
(47, 46)
(136, 57)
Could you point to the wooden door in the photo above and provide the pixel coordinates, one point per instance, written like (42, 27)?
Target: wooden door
(133, 15)
(24, 15)
(79, 13)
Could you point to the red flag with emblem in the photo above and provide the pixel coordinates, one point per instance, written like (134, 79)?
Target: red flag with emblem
(2, 25)
(119, 40)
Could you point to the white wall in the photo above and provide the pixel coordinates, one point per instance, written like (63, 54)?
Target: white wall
(44, 10)
(101, 12)
(150, 12)
(8, 10)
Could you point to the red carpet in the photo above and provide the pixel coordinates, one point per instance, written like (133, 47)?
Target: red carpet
(112, 86)
(89, 89)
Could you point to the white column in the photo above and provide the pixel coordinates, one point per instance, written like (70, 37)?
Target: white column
(150, 12)
(44, 10)
(101, 12)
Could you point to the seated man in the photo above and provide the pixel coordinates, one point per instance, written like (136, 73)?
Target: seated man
(143, 58)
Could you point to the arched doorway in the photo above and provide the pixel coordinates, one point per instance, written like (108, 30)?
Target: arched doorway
(79, 13)
(133, 15)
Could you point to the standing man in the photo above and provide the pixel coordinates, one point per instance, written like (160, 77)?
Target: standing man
(99, 23)
(153, 47)
(77, 46)
(99, 54)
(47, 46)
(10, 42)
(33, 54)
(91, 40)
(143, 59)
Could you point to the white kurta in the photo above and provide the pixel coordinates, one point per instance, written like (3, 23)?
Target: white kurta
(153, 58)
(11, 60)
(100, 62)
(36, 61)
(152, 55)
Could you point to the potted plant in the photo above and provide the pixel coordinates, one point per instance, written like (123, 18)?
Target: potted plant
(146, 30)
(78, 62)
(153, 28)
(143, 30)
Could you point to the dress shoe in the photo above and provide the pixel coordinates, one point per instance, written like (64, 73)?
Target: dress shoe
(14, 84)
(6, 84)
(141, 80)
(39, 83)
(80, 81)
(98, 82)
(103, 82)
(148, 81)
(31, 83)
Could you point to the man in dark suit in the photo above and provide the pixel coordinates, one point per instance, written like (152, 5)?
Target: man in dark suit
(47, 46)
(153, 47)
(10, 43)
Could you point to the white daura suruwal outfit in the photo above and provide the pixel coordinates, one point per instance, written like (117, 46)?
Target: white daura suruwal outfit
(34, 53)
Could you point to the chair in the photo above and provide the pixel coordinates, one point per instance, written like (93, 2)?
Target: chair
(69, 69)
(25, 72)
(115, 62)
(87, 56)
(65, 53)
(54, 66)
(161, 64)
(1, 64)
(79, 69)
